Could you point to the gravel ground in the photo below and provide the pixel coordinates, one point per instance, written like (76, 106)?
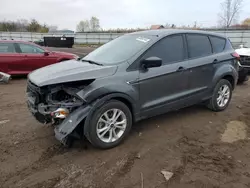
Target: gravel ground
(202, 149)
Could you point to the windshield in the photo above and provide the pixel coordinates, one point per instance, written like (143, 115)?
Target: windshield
(119, 49)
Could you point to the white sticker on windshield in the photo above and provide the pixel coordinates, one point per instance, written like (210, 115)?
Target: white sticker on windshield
(143, 39)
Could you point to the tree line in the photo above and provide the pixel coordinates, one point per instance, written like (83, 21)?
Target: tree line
(24, 25)
(89, 25)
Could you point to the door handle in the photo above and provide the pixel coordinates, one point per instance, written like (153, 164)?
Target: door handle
(216, 61)
(180, 69)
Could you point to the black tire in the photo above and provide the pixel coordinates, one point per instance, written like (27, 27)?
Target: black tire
(90, 128)
(242, 79)
(212, 103)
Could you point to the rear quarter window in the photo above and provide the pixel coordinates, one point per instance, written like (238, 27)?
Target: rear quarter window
(198, 45)
(218, 44)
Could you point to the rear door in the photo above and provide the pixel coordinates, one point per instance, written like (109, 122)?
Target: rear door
(10, 60)
(34, 57)
(201, 64)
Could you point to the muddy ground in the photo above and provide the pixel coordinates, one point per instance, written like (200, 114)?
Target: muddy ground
(203, 149)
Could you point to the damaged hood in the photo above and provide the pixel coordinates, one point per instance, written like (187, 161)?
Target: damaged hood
(69, 71)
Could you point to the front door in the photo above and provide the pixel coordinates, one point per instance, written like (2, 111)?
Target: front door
(164, 88)
(35, 57)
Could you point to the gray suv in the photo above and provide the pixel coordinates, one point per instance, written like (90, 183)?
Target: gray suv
(133, 77)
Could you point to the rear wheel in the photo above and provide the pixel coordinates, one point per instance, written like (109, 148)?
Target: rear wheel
(109, 125)
(221, 96)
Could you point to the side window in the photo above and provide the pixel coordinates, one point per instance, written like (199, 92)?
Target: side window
(29, 49)
(218, 44)
(169, 49)
(198, 45)
(7, 48)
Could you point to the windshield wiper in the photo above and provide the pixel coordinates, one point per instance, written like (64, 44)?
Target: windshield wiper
(92, 62)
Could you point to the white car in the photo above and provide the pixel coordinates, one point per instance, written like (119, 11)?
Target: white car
(244, 53)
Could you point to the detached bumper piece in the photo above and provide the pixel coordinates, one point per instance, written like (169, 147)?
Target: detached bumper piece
(243, 75)
(68, 125)
(4, 77)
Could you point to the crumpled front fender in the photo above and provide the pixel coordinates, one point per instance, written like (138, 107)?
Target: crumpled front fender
(71, 122)
(67, 127)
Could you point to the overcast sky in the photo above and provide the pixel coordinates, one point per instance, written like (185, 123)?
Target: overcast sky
(117, 13)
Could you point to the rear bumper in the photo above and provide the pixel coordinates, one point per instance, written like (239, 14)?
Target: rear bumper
(246, 68)
(243, 74)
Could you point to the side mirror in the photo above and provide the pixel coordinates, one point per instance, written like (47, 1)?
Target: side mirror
(46, 53)
(151, 62)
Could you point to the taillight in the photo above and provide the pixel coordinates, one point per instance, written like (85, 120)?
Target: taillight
(236, 55)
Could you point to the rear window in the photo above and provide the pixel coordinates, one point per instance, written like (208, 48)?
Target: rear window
(198, 45)
(7, 48)
(218, 44)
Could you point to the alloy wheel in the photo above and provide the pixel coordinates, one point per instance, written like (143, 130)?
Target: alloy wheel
(223, 96)
(111, 125)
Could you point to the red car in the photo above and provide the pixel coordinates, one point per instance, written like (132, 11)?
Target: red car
(20, 58)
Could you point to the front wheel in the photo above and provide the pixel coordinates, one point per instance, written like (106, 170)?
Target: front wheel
(221, 96)
(109, 125)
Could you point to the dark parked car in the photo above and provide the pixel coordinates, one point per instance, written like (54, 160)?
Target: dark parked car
(244, 69)
(133, 77)
(21, 58)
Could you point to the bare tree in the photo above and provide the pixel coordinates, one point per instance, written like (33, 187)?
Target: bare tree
(229, 12)
(167, 25)
(33, 26)
(53, 28)
(83, 26)
(22, 25)
(94, 24)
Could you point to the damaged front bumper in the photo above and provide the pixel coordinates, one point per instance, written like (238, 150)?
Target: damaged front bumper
(65, 116)
(64, 127)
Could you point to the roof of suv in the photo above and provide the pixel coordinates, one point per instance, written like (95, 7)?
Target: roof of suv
(165, 32)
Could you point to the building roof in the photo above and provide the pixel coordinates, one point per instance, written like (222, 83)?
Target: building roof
(156, 27)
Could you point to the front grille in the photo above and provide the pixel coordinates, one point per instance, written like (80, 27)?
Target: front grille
(245, 60)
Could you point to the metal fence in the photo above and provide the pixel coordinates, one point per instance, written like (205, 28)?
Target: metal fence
(237, 37)
(80, 38)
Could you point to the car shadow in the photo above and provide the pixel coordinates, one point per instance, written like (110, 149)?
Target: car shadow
(167, 117)
(147, 125)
